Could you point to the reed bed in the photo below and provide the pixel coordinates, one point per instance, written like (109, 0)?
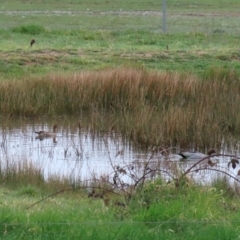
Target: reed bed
(26, 173)
(150, 107)
(30, 177)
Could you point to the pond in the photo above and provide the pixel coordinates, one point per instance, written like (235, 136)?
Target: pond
(80, 154)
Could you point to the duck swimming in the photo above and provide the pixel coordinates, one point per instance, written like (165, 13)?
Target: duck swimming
(45, 134)
(197, 155)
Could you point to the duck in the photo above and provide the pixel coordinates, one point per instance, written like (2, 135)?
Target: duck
(45, 134)
(197, 155)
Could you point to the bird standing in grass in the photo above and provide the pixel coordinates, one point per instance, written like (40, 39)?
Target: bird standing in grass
(32, 42)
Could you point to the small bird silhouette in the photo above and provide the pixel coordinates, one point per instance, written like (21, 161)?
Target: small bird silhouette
(32, 42)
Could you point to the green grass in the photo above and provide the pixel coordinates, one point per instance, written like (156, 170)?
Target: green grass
(79, 50)
(90, 40)
(98, 5)
(158, 211)
(199, 54)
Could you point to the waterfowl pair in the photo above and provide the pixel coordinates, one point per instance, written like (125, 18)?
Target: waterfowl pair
(45, 134)
(197, 155)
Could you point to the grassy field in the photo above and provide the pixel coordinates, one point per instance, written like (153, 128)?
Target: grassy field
(112, 60)
(159, 211)
(73, 51)
(98, 5)
(88, 35)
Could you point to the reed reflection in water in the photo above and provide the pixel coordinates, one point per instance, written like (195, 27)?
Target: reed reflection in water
(86, 155)
(71, 155)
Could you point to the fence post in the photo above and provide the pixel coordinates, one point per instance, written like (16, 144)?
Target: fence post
(164, 10)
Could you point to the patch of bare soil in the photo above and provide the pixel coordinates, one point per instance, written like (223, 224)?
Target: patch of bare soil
(42, 53)
(31, 57)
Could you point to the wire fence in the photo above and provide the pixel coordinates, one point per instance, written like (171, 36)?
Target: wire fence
(207, 23)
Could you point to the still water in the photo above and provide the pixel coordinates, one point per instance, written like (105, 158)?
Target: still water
(73, 153)
(81, 154)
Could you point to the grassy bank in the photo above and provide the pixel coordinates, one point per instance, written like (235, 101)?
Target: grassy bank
(149, 107)
(158, 211)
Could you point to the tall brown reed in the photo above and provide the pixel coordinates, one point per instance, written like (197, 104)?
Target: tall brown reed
(151, 107)
(21, 173)
(24, 173)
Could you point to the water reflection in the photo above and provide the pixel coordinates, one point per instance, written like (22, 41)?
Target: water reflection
(69, 153)
(41, 138)
(86, 155)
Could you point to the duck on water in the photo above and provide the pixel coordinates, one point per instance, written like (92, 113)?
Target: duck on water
(197, 155)
(47, 134)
